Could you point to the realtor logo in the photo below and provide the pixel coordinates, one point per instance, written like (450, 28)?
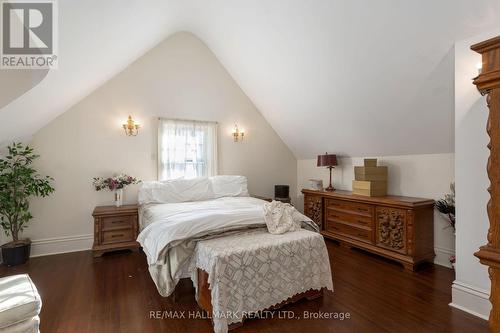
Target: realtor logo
(29, 34)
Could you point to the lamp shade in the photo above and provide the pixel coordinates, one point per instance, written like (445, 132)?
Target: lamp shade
(327, 160)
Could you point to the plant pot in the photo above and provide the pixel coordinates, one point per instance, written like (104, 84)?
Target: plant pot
(16, 253)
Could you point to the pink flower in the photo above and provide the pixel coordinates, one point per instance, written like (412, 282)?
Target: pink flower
(113, 183)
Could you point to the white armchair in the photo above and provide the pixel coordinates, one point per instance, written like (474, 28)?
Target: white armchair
(20, 305)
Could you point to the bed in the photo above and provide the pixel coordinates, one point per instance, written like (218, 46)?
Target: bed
(212, 231)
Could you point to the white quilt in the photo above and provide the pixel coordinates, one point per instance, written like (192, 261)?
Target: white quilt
(252, 271)
(169, 232)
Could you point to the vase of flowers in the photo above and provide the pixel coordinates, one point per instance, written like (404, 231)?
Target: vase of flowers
(115, 184)
(446, 206)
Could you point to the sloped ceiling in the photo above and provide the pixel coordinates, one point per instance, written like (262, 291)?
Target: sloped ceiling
(346, 76)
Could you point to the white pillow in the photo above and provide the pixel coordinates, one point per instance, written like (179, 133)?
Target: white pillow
(175, 190)
(229, 186)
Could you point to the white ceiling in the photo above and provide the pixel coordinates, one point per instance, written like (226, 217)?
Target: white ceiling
(355, 77)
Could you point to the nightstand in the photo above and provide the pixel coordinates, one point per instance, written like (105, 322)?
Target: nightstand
(115, 228)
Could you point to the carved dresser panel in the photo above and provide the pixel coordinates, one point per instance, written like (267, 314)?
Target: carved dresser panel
(400, 228)
(313, 208)
(391, 228)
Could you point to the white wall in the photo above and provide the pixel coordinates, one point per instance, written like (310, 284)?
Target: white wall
(427, 176)
(472, 285)
(180, 78)
(15, 83)
(306, 72)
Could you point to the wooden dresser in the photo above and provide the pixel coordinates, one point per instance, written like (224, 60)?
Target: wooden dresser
(115, 228)
(399, 228)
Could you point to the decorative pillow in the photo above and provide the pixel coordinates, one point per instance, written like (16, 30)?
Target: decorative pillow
(175, 190)
(229, 186)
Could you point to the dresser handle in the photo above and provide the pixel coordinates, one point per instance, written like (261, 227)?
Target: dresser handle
(120, 235)
(361, 235)
(335, 216)
(362, 222)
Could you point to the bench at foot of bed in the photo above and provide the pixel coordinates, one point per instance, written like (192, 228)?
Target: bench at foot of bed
(205, 298)
(244, 273)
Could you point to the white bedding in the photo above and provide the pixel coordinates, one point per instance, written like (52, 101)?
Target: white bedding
(255, 270)
(169, 232)
(166, 224)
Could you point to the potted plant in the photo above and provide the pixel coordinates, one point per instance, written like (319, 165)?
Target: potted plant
(446, 206)
(19, 181)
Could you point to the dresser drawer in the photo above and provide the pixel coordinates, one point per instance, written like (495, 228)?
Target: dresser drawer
(354, 207)
(116, 236)
(117, 222)
(349, 231)
(335, 215)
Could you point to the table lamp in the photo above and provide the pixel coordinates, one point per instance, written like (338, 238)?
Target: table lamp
(329, 161)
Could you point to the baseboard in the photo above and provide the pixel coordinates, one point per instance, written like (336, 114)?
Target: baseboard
(56, 245)
(442, 257)
(48, 246)
(470, 299)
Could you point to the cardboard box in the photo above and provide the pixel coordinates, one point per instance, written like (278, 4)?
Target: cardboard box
(370, 173)
(369, 188)
(370, 193)
(370, 162)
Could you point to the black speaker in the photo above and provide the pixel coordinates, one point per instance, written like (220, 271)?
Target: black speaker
(281, 191)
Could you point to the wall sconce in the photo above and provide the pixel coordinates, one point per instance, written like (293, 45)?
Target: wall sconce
(131, 128)
(238, 134)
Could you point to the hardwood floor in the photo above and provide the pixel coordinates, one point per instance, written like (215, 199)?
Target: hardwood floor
(115, 293)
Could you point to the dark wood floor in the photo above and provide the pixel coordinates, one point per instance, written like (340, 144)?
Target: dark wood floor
(115, 294)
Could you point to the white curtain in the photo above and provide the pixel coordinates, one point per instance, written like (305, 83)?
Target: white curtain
(186, 148)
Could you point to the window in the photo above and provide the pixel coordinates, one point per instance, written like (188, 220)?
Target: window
(186, 148)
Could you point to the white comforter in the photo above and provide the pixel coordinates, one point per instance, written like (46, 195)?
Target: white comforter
(169, 232)
(166, 224)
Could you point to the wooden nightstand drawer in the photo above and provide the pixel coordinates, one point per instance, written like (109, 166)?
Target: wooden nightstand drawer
(364, 235)
(116, 236)
(117, 222)
(354, 207)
